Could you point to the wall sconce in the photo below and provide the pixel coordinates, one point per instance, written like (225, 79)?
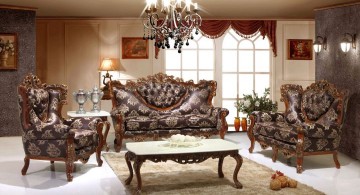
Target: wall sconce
(348, 42)
(319, 44)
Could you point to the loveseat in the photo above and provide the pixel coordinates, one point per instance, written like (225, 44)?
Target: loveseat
(161, 105)
(311, 124)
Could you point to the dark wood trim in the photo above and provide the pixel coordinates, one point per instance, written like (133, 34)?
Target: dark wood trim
(3, 6)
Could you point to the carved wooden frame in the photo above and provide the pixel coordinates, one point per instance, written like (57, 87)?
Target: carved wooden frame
(32, 81)
(159, 78)
(299, 151)
(182, 158)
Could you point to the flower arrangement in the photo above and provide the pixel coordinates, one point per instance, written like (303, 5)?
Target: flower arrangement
(6, 47)
(253, 102)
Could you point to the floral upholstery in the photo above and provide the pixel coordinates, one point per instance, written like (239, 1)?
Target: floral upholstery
(162, 105)
(311, 123)
(292, 94)
(161, 95)
(46, 135)
(315, 104)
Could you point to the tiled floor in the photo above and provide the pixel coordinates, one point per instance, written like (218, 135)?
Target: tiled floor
(90, 179)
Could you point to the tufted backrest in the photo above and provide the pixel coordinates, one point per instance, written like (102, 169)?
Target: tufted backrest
(159, 94)
(162, 95)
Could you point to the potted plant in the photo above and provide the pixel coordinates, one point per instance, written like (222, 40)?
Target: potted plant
(252, 102)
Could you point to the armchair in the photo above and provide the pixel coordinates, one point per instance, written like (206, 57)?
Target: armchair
(311, 124)
(47, 136)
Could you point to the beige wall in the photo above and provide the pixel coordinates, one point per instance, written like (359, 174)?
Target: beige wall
(300, 72)
(69, 52)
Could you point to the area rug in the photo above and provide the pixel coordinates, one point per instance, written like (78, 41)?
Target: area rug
(172, 178)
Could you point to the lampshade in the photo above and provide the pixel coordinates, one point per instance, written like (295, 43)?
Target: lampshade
(317, 46)
(348, 42)
(345, 45)
(111, 64)
(107, 65)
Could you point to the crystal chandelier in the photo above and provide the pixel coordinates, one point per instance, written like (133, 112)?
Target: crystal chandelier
(174, 25)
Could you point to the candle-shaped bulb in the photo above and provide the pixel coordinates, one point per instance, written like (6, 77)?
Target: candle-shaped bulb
(178, 3)
(188, 3)
(195, 6)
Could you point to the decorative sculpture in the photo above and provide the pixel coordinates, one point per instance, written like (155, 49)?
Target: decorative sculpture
(80, 97)
(95, 96)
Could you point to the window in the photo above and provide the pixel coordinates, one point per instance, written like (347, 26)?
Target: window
(245, 67)
(196, 61)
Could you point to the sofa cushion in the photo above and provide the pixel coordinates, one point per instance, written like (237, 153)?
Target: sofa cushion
(172, 122)
(278, 130)
(141, 123)
(196, 102)
(128, 104)
(316, 103)
(293, 94)
(200, 120)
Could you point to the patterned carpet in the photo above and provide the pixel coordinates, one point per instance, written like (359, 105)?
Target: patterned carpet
(172, 178)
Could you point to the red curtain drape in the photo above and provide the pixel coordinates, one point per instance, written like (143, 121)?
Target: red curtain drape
(246, 28)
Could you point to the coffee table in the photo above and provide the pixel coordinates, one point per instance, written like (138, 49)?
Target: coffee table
(160, 151)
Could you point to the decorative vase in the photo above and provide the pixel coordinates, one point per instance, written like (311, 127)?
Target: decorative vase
(237, 123)
(80, 97)
(95, 96)
(244, 124)
(3, 58)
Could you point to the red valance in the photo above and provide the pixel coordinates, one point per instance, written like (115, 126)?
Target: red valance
(245, 28)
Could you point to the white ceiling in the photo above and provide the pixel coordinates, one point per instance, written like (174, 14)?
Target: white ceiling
(216, 9)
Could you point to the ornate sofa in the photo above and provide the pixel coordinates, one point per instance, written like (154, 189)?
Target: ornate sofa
(160, 106)
(311, 124)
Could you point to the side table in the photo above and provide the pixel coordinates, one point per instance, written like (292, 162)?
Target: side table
(102, 114)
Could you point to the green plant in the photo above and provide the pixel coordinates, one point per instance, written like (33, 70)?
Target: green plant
(252, 102)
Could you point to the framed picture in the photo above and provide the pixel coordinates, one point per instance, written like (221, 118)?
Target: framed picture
(8, 51)
(300, 49)
(135, 48)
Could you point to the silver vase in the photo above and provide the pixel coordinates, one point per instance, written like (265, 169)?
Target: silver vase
(95, 96)
(80, 97)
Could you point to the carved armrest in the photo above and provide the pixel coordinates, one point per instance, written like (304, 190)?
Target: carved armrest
(259, 116)
(221, 124)
(88, 123)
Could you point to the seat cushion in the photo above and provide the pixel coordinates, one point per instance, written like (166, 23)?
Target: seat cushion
(278, 130)
(140, 123)
(200, 120)
(84, 138)
(172, 122)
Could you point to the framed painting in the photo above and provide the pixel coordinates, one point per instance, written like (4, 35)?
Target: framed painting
(300, 49)
(135, 48)
(8, 51)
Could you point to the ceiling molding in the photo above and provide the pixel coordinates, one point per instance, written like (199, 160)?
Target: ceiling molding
(2, 6)
(337, 6)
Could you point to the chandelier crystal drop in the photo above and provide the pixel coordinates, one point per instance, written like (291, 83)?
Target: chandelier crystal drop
(173, 24)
